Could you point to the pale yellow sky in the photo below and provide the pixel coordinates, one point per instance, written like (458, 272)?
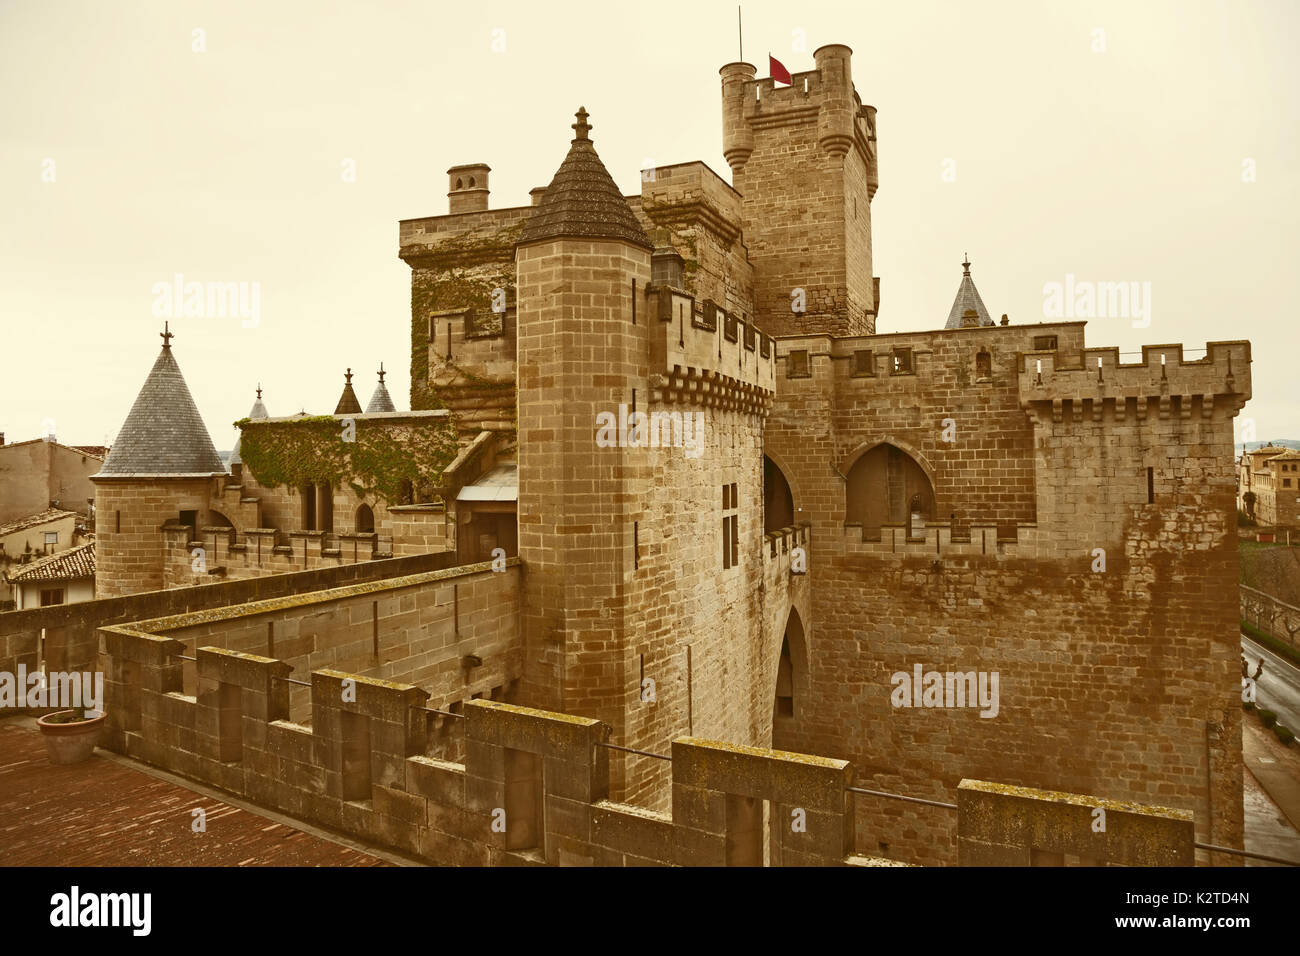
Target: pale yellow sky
(1122, 164)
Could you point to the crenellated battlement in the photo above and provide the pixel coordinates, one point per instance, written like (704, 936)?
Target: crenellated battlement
(1178, 385)
(707, 355)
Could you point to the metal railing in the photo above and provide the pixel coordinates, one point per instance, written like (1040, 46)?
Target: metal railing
(1254, 856)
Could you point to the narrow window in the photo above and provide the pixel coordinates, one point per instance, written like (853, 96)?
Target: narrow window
(118, 518)
(902, 361)
(730, 527)
(983, 365)
(636, 545)
(1151, 486)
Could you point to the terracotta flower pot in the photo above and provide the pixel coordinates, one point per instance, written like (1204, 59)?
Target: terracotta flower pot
(71, 742)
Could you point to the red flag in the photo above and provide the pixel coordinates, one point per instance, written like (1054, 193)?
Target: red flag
(777, 71)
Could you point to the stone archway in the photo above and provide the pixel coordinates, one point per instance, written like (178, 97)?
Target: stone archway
(887, 485)
(778, 497)
(792, 687)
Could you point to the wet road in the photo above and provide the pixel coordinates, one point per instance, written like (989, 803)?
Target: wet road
(1278, 688)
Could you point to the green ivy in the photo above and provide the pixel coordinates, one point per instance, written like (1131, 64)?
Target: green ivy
(459, 272)
(383, 461)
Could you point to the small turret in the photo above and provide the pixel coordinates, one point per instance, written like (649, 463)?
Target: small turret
(380, 401)
(348, 404)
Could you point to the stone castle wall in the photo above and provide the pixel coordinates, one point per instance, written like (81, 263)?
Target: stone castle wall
(534, 786)
(416, 629)
(1097, 662)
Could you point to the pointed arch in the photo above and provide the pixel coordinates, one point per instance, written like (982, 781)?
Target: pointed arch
(886, 482)
(790, 695)
(790, 478)
(778, 497)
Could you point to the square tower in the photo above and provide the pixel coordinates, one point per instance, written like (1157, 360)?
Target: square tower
(804, 159)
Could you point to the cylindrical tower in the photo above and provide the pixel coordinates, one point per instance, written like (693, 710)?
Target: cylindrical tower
(836, 117)
(737, 137)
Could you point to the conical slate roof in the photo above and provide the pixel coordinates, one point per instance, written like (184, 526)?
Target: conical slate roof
(163, 433)
(582, 201)
(257, 411)
(381, 401)
(348, 403)
(968, 299)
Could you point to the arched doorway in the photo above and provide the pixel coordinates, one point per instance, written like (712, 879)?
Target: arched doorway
(791, 696)
(886, 485)
(778, 501)
(365, 521)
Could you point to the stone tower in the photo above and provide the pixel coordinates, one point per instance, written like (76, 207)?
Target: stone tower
(159, 471)
(580, 262)
(804, 159)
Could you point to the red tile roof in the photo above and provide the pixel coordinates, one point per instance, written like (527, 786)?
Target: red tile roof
(67, 565)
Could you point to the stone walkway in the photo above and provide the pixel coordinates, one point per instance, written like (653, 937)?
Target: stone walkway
(1272, 792)
(106, 812)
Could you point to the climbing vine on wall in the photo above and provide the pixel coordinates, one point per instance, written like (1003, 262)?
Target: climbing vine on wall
(385, 461)
(461, 272)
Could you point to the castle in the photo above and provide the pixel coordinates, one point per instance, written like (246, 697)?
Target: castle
(679, 489)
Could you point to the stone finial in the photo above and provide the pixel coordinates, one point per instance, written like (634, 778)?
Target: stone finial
(167, 335)
(965, 266)
(582, 127)
(347, 377)
(381, 373)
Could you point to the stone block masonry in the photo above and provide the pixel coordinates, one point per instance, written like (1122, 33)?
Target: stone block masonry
(419, 629)
(1094, 575)
(533, 787)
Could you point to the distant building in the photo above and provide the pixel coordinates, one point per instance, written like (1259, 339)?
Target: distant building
(64, 578)
(1268, 486)
(37, 535)
(41, 473)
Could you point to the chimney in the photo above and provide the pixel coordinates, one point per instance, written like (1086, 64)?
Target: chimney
(468, 188)
(536, 194)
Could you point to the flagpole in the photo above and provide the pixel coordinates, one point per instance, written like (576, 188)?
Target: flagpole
(740, 33)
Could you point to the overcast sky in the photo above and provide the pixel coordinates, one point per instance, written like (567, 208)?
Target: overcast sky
(1016, 132)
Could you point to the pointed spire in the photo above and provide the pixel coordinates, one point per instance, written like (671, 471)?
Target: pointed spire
(582, 201)
(381, 401)
(967, 308)
(163, 433)
(348, 404)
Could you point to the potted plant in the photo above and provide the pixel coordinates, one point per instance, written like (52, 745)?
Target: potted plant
(70, 735)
